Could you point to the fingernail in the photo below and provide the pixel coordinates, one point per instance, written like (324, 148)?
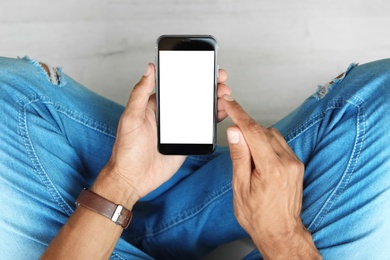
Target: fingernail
(233, 136)
(228, 98)
(148, 70)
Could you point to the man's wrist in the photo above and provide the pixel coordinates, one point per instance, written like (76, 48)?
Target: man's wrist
(113, 188)
(297, 244)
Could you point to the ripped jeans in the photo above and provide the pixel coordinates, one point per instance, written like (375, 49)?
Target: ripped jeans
(55, 137)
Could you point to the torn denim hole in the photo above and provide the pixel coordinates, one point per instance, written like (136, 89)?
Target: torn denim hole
(51, 72)
(54, 75)
(325, 89)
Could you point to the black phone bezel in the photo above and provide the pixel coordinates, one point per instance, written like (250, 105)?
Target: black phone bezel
(187, 43)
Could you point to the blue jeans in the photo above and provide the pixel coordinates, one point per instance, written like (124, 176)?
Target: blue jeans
(55, 138)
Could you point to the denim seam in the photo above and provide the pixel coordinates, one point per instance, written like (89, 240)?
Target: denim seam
(23, 128)
(352, 162)
(360, 135)
(336, 104)
(24, 132)
(115, 255)
(186, 215)
(87, 122)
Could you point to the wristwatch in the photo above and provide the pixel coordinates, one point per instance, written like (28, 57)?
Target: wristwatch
(117, 213)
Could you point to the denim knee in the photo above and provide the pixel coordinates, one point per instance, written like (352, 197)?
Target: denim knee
(27, 76)
(371, 82)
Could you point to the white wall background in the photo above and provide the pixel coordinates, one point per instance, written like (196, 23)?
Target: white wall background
(276, 51)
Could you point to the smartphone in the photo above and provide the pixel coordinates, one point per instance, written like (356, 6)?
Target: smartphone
(186, 90)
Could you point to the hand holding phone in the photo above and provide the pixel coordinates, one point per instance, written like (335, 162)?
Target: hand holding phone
(186, 94)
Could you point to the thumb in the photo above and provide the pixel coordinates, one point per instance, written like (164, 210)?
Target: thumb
(241, 158)
(143, 89)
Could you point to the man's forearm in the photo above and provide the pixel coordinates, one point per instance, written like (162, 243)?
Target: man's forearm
(87, 234)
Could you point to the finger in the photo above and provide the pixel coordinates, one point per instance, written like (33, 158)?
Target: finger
(275, 143)
(221, 115)
(286, 155)
(241, 160)
(257, 140)
(223, 90)
(139, 97)
(283, 142)
(222, 75)
(152, 103)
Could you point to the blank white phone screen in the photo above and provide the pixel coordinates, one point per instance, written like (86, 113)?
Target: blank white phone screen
(186, 97)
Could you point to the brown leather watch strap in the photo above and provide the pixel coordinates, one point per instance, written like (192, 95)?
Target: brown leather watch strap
(117, 213)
